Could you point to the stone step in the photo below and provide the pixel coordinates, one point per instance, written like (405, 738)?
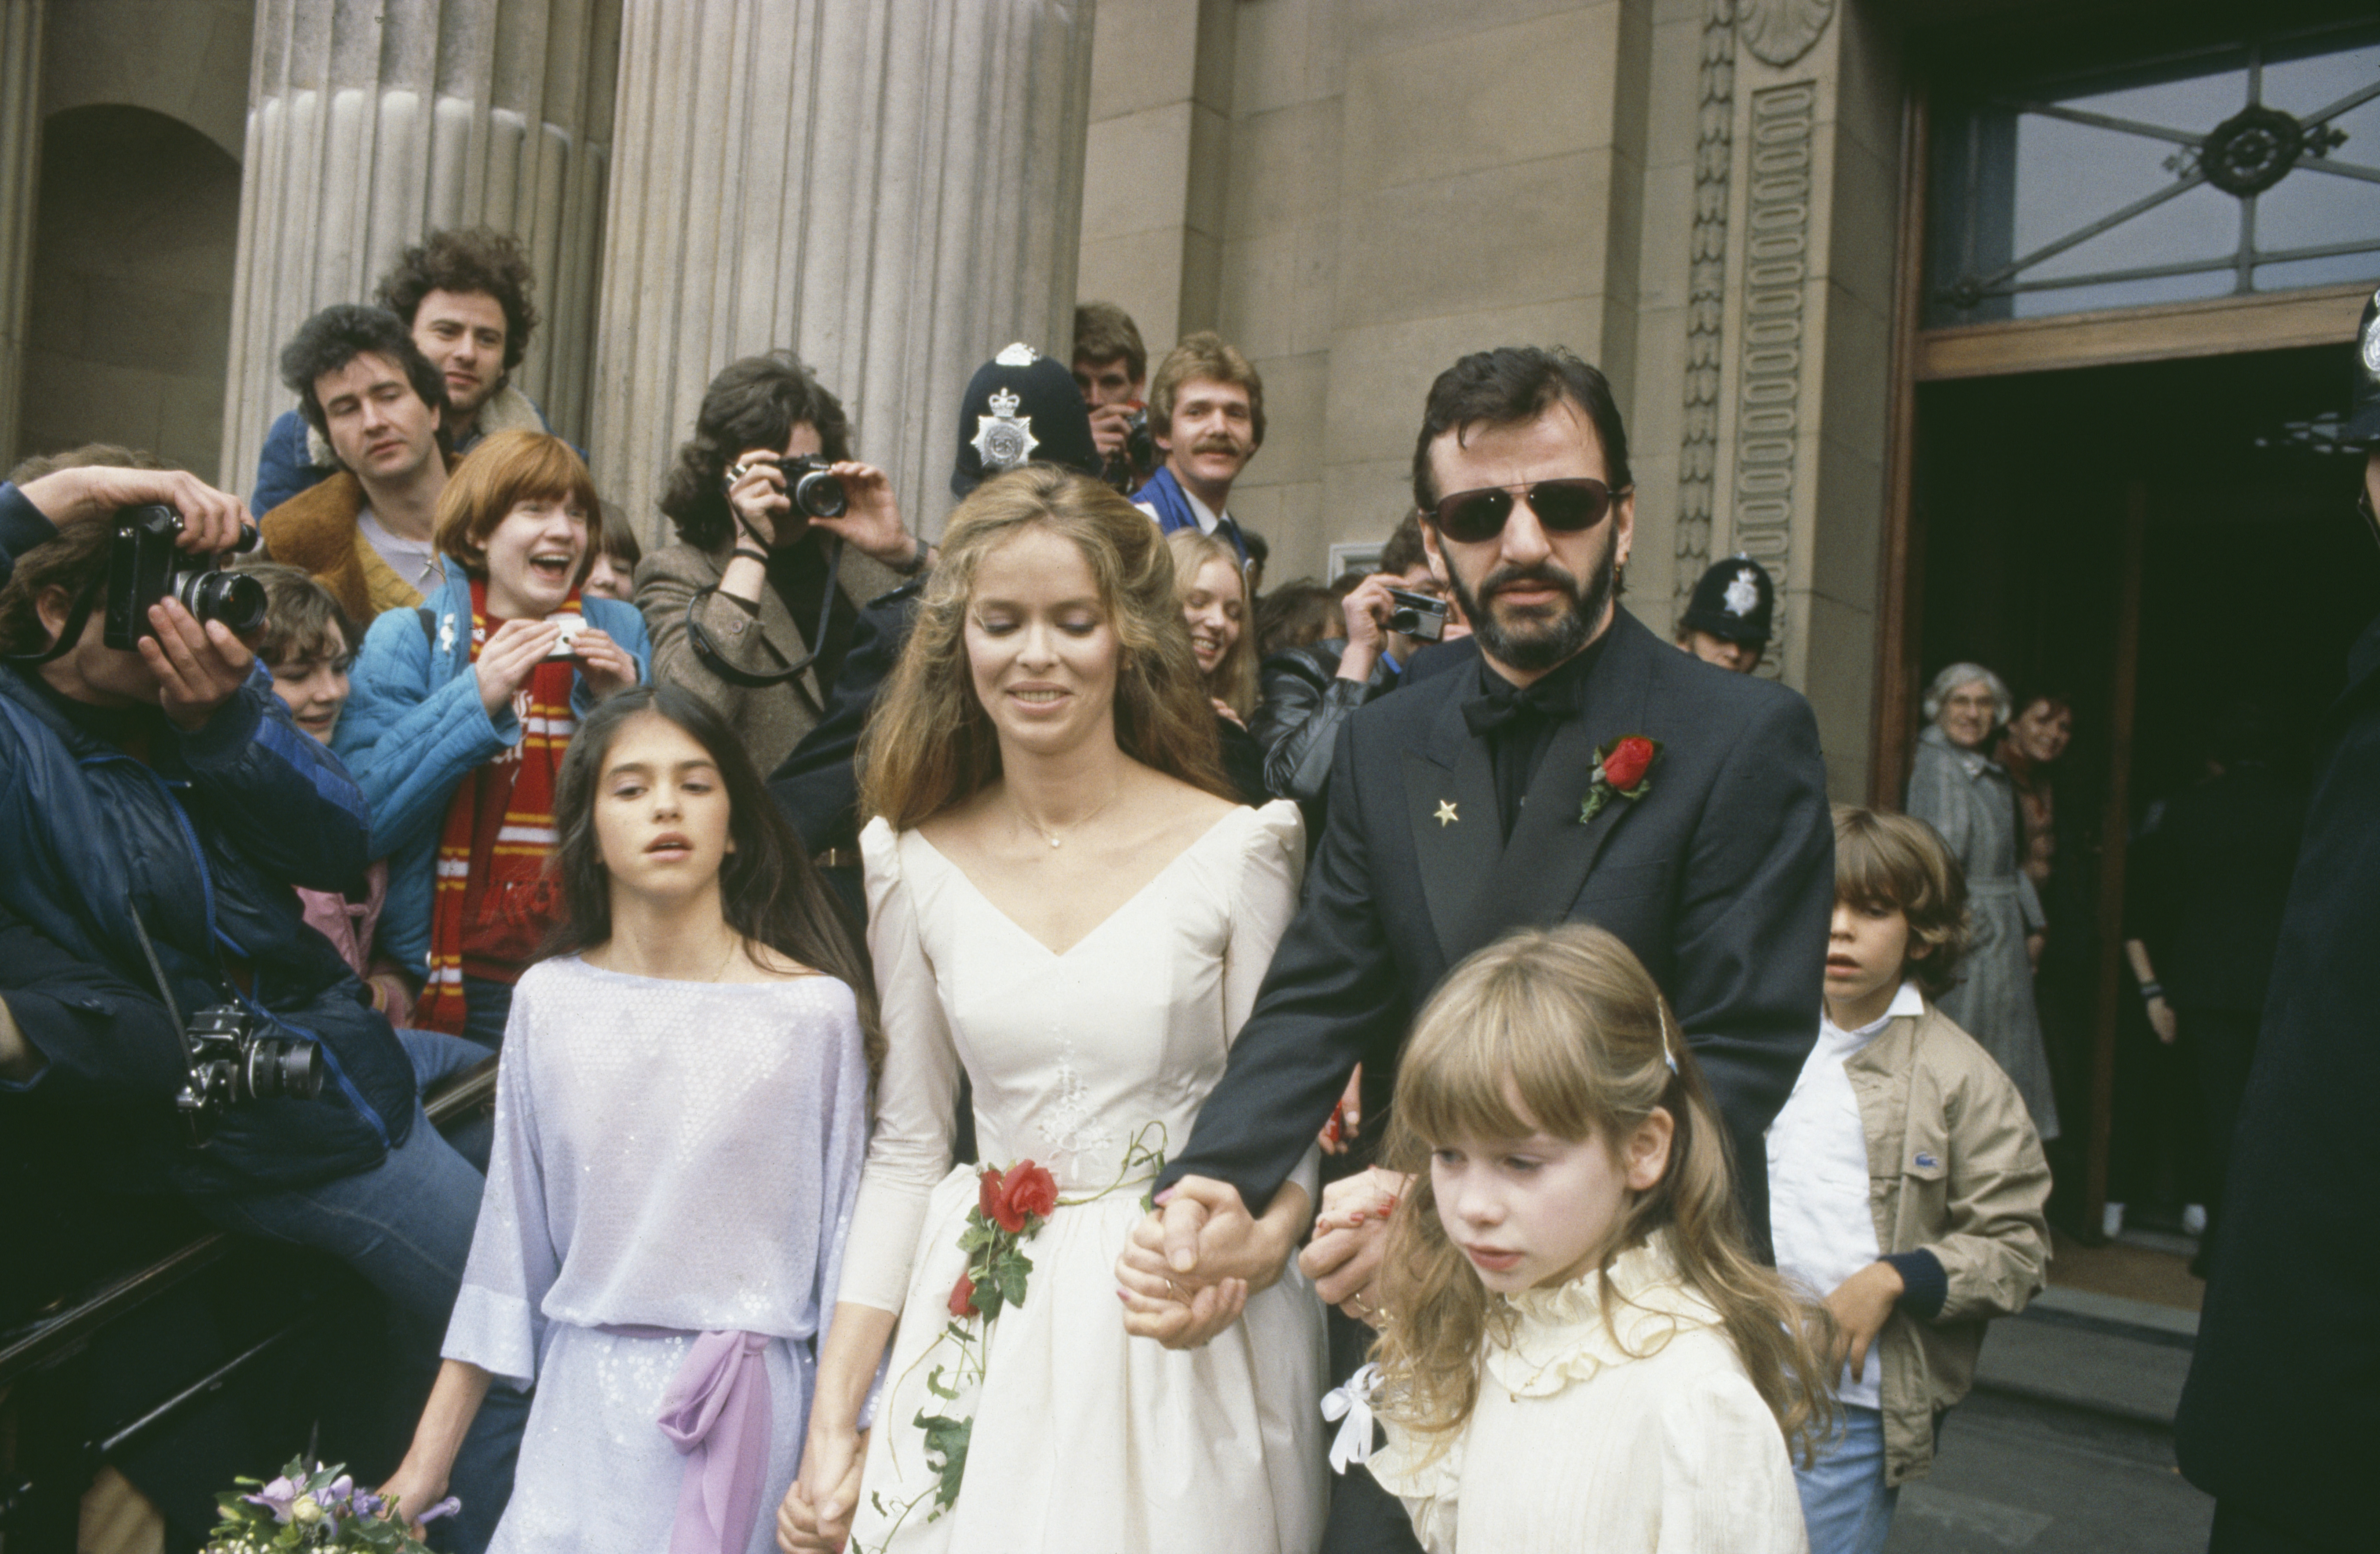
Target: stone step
(2102, 1353)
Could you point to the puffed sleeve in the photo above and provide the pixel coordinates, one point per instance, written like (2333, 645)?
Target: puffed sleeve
(1264, 898)
(917, 1096)
(1727, 1480)
(1425, 1473)
(499, 1323)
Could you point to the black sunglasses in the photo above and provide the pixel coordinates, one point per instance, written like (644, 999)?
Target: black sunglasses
(1563, 506)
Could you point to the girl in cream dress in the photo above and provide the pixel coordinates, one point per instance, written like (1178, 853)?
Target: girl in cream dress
(1578, 1354)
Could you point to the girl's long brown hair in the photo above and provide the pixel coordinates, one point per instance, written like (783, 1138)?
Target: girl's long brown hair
(1569, 1019)
(769, 891)
(1234, 680)
(930, 743)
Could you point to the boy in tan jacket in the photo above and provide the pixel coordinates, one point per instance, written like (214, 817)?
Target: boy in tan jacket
(1906, 1184)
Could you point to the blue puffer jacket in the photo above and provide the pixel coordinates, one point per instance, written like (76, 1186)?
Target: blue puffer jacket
(206, 841)
(414, 728)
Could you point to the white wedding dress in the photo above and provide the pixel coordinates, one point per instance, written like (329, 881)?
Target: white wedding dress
(1083, 1438)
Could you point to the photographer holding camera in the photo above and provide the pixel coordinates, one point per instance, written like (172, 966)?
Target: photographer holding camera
(782, 536)
(157, 804)
(1308, 692)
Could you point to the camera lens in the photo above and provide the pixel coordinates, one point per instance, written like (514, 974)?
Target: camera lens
(232, 598)
(276, 1067)
(1406, 623)
(820, 496)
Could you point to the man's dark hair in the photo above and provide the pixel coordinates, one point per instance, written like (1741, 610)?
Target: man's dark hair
(75, 561)
(1104, 332)
(467, 259)
(302, 620)
(342, 331)
(755, 403)
(1509, 386)
(1404, 550)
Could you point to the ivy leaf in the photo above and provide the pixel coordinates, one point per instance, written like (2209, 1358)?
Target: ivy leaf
(1011, 1281)
(934, 1384)
(947, 1439)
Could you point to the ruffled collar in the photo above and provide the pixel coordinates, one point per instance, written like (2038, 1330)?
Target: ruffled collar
(1559, 1335)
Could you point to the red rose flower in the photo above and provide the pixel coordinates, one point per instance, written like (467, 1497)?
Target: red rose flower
(1031, 1189)
(1625, 766)
(990, 1199)
(962, 1298)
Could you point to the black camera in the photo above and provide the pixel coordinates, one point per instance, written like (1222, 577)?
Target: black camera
(230, 1064)
(1137, 460)
(145, 567)
(815, 491)
(1417, 615)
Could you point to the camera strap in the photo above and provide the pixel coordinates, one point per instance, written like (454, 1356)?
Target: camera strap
(164, 989)
(71, 633)
(716, 661)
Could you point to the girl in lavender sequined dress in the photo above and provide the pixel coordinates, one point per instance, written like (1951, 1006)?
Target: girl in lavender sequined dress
(681, 1119)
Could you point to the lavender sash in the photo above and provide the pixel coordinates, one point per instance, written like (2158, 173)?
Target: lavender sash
(716, 1411)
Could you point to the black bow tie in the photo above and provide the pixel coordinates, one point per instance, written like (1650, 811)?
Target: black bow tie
(1500, 707)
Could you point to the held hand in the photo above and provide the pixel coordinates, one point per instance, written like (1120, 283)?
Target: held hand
(211, 519)
(414, 1489)
(758, 499)
(871, 521)
(1861, 1305)
(608, 667)
(1209, 1234)
(1178, 1318)
(2162, 1021)
(819, 1505)
(198, 666)
(512, 650)
(1350, 1239)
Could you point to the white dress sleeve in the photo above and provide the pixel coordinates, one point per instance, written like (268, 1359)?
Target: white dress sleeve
(498, 1323)
(1264, 898)
(917, 1096)
(1726, 1479)
(1425, 1473)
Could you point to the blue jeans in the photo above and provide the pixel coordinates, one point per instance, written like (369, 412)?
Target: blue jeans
(1845, 1501)
(406, 1225)
(487, 1005)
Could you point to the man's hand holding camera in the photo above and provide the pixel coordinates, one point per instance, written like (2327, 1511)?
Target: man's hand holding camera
(211, 520)
(865, 516)
(1373, 611)
(199, 664)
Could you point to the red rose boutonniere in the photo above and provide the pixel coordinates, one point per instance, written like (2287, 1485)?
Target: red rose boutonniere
(1620, 769)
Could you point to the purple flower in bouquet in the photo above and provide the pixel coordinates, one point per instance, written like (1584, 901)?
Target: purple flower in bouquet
(276, 1497)
(366, 1503)
(446, 1507)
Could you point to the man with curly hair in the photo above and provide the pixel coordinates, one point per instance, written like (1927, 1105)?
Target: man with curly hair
(465, 295)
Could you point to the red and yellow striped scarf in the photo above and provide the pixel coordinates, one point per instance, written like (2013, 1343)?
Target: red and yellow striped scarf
(493, 901)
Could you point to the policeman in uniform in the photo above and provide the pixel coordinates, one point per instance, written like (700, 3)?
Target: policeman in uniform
(1727, 620)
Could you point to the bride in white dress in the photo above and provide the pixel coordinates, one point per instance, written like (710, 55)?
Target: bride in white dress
(1064, 908)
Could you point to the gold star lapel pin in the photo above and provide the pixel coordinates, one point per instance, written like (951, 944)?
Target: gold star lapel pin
(1445, 815)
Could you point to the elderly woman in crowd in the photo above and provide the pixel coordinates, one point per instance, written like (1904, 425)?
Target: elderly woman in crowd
(1966, 795)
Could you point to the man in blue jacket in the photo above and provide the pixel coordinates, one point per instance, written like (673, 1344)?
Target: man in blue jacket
(169, 780)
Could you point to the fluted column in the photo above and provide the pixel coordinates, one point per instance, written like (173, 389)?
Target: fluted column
(374, 122)
(891, 188)
(20, 168)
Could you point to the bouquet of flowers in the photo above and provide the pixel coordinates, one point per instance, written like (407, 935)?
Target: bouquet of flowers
(315, 1507)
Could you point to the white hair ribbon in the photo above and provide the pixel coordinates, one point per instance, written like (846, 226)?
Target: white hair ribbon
(1352, 1405)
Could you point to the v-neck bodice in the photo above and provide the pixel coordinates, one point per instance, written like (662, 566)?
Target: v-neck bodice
(1123, 908)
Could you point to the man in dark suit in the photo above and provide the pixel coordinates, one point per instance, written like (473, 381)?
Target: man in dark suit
(2280, 1418)
(1455, 813)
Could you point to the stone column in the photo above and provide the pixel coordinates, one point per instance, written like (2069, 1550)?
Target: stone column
(374, 122)
(893, 188)
(21, 167)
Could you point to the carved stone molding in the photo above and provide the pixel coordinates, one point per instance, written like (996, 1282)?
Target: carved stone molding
(1780, 31)
(1706, 297)
(1769, 387)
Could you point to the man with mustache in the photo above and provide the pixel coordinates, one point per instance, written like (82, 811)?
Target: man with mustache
(1205, 413)
(1512, 790)
(368, 391)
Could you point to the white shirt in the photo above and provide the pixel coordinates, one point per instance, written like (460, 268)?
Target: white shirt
(1818, 1212)
(415, 560)
(1209, 520)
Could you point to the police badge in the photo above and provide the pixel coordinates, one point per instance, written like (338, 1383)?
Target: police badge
(1004, 439)
(1742, 593)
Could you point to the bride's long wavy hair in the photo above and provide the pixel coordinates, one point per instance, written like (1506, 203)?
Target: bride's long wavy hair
(930, 744)
(1567, 1022)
